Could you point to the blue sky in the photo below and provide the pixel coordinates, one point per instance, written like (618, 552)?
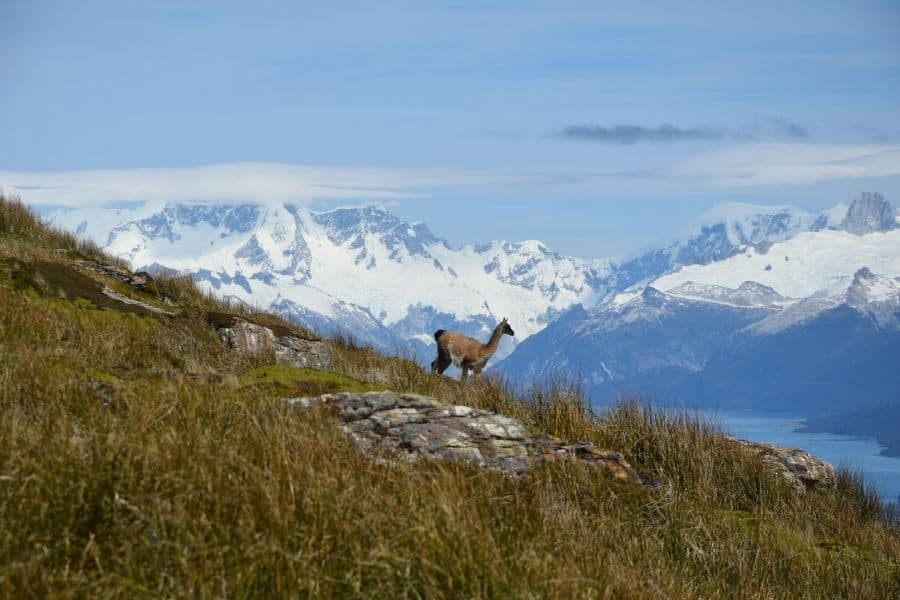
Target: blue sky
(596, 127)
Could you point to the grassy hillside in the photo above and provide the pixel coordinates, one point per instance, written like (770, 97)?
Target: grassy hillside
(141, 457)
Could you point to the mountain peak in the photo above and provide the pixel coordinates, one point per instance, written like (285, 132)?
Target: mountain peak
(869, 212)
(727, 227)
(870, 287)
(349, 220)
(863, 274)
(373, 218)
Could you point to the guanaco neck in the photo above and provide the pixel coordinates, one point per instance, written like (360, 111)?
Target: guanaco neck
(492, 344)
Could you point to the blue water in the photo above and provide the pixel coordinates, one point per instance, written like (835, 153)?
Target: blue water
(859, 453)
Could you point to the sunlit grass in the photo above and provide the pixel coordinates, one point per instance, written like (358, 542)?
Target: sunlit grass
(141, 457)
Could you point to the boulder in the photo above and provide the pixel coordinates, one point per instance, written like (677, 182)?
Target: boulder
(144, 281)
(250, 338)
(420, 427)
(798, 467)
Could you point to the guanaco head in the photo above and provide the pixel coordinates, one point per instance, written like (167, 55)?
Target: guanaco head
(506, 328)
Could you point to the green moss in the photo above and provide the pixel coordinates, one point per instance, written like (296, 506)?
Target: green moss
(279, 380)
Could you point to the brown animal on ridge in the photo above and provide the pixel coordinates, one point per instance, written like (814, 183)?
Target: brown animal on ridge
(465, 352)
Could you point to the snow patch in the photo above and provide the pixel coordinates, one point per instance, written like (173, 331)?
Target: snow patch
(817, 260)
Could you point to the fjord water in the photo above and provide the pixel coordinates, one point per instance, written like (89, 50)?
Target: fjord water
(860, 453)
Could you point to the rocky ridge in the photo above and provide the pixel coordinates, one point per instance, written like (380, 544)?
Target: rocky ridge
(51, 279)
(869, 213)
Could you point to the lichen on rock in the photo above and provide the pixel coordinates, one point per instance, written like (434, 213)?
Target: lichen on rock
(420, 427)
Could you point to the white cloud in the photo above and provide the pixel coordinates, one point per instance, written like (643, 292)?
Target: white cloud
(750, 164)
(789, 164)
(235, 182)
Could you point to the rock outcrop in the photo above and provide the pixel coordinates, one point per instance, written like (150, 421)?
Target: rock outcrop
(113, 271)
(868, 213)
(801, 469)
(251, 338)
(113, 295)
(420, 427)
(141, 280)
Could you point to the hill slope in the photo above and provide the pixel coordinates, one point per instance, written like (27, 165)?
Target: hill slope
(140, 455)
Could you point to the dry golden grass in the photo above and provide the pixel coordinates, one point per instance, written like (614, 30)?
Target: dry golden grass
(140, 458)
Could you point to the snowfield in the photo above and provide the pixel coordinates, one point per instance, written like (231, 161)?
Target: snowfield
(800, 266)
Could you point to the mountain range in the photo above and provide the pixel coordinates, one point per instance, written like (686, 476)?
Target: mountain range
(807, 324)
(363, 271)
(750, 305)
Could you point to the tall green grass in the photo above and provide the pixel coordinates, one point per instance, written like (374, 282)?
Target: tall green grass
(139, 457)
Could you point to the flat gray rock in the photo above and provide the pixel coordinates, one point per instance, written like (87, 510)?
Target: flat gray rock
(420, 427)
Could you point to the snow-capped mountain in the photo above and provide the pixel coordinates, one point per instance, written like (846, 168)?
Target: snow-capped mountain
(387, 282)
(869, 213)
(722, 232)
(361, 270)
(714, 346)
(813, 317)
(834, 351)
(391, 283)
(797, 267)
(642, 342)
(730, 229)
(871, 295)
